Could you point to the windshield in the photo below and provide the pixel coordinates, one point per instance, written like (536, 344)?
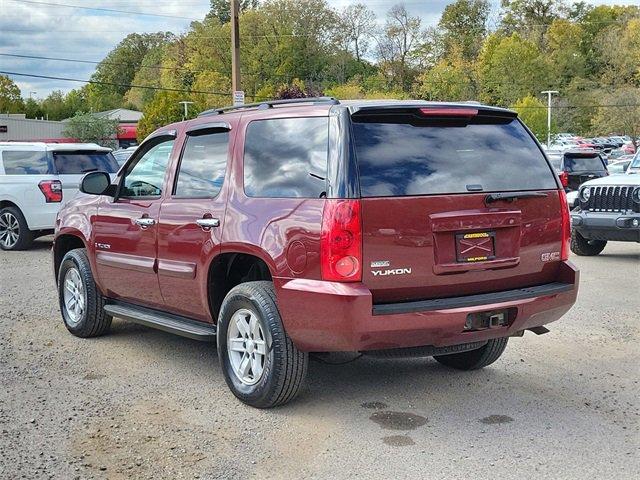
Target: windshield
(401, 155)
(80, 162)
(636, 161)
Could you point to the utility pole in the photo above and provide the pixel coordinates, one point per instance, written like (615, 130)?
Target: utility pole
(235, 47)
(549, 93)
(186, 104)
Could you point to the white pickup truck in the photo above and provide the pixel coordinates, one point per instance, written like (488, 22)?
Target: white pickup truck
(35, 180)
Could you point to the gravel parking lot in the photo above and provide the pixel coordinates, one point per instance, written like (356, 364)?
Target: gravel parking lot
(141, 403)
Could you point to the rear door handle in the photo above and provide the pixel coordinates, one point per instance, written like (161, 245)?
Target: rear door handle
(207, 223)
(145, 222)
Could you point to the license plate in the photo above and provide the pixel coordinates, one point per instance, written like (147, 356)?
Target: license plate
(475, 247)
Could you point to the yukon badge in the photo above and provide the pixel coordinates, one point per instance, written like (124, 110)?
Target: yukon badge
(389, 271)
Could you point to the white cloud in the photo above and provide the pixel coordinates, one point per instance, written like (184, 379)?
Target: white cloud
(41, 30)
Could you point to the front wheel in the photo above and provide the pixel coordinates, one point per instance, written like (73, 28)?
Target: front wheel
(260, 363)
(586, 248)
(475, 359)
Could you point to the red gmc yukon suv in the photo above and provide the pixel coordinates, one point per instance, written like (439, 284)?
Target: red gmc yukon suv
(391, 228)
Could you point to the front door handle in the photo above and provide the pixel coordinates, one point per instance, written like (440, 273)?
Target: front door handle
(145, 222)
(207, 223)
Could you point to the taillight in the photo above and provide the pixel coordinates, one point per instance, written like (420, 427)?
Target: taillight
(449, 112)
(564, 179)
(52, 190)
(341, 241)
(566, 226)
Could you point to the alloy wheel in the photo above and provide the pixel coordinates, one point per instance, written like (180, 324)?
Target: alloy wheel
(74, 296)
(9, 230)
(247, 346)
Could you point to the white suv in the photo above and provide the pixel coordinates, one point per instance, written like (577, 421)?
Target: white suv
(35, 178)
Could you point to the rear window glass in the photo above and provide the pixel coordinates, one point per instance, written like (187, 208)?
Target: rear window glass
(286, 157)
(397, 158)
(71, 163)
(25, 162)
(579, 164)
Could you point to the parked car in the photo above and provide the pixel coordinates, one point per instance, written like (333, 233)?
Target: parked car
(392, 228)
(608, 209)
(35, 179)
(575, 167)
(618, 167)
(123, 154)
(634, 166)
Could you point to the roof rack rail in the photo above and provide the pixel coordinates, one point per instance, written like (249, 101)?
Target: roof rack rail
(271, 103)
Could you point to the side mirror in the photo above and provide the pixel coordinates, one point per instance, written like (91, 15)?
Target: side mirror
(95, 183)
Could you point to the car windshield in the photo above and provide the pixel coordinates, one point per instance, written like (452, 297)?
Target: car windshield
(636, 161)
(78, 162)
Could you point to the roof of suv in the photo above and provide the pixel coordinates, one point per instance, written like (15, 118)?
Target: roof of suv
(52, 147)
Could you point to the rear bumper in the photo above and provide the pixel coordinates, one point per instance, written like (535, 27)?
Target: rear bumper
(328, 316)
(607, 226)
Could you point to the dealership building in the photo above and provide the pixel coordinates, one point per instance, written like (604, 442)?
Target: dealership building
(18, 128)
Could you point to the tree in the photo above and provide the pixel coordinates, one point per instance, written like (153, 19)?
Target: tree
(357, 23)
(565, 58)
(619, 114)
(530, 18)
(221, 9)
(398, 46)
(533, 113)
(10, 100)
(92, 129)
(449, 80)
(463, 27)
(510, 68)
(116, 72)
(162, 110)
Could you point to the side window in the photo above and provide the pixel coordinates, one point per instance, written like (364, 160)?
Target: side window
(145, 177)
(203, 165)
(286, 157)
(25, 162)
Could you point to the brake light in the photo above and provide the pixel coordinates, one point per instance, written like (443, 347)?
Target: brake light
(566, 226)
(449, 112)
(564, 179)
(341, 241)
(52, 190)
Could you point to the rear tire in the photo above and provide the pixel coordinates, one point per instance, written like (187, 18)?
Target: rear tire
(14, 231)
(585, 248)
(475, 359)
(81, 304)
(260, 363)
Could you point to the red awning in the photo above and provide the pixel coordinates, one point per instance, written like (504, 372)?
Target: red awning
(128, 131)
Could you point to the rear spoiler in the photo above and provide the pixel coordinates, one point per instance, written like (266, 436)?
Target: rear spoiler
(438, 109)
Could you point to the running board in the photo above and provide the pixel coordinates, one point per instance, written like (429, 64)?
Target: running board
(163, 321)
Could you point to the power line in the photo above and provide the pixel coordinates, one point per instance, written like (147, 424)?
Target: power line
(113, 84)
(102, 9)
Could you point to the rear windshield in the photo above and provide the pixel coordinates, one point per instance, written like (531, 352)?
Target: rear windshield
(398, 158)
(581, 164)
(82, 162)
(25, 162)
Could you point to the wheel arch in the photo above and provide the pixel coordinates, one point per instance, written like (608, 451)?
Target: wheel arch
(65, 242)
(232, 267)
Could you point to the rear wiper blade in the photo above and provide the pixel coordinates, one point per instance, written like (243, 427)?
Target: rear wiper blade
(510, 197)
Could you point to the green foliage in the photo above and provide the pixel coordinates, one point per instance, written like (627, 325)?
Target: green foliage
(165, 108)
(463, 26)
(10, 100)
(449, 80)
(510, 68)
(533, 113)
(92, 129)
(221, 9)
(624, 120)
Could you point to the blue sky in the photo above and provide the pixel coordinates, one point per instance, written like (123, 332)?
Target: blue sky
(56, 31)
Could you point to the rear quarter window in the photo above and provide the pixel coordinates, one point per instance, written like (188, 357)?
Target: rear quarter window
(25, 162)
(404, 156)
(286, 157)
(76, 163)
